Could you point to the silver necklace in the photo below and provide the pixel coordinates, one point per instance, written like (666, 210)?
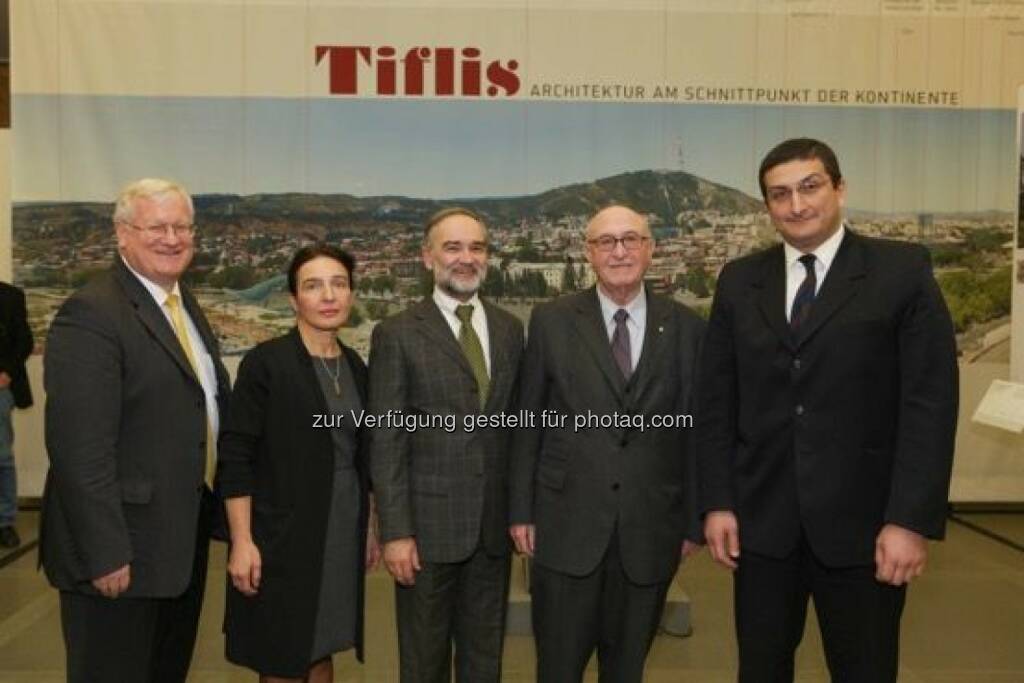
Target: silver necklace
(336, 375)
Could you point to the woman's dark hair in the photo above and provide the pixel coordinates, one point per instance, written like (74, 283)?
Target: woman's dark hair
(312, 251)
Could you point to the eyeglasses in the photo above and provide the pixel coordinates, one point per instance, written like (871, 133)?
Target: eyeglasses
(808, 187)
(606, 243)
(162, 229)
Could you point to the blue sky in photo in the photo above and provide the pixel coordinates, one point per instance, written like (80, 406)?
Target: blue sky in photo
(895, 159)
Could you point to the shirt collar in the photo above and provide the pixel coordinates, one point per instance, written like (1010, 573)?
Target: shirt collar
(158, 293)
(448, 303)
(637, 308)
(826, 251)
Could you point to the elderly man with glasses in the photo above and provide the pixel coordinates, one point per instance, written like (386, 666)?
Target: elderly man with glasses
(135, 389)
(602, 490)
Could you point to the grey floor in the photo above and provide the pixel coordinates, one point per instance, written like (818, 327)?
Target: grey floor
(964, 622)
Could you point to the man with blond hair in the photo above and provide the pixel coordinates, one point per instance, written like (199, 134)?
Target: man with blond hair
(135, 388)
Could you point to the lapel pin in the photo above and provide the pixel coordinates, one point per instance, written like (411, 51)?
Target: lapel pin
(660, 329)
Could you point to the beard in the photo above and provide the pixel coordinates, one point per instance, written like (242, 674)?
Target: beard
(455, 285)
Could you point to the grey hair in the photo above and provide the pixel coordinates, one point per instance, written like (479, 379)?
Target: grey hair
(146, 188)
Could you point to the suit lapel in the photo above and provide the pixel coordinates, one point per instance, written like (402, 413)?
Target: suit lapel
(658, 314)
(498, 338)
(151, 317)
(590, 326)
(433, 325)
(207, 336)
(842, 281)
(771, 297)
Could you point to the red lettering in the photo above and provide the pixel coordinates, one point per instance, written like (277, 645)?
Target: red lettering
(343, 66)
(502, 77)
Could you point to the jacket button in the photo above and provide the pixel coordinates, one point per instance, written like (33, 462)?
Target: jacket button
(796, 363)
(799, 410)
(615, 486)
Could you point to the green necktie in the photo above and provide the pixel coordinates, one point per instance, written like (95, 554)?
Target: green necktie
(470, 344)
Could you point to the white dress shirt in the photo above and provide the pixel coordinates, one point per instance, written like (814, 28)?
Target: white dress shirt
(447, 305)
(207, 373)
(636, 323)
(796, 272)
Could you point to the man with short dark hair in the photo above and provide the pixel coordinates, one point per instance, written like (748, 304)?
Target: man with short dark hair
(440, 486)
(602, 488)
(828, 399)
(134, 391)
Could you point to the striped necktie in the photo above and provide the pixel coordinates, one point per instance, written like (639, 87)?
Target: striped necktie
(804, 295)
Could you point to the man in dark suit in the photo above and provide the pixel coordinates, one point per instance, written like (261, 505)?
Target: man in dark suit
(602, 489)
(15, 347)
(441, 487)
(135, 388)
(828, 399)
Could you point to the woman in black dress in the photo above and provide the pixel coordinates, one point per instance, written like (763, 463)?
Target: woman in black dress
(296, 487)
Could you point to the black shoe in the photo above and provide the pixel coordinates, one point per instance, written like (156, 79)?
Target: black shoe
(9, 537)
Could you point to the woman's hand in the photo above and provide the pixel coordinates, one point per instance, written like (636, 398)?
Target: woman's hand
(245, 566)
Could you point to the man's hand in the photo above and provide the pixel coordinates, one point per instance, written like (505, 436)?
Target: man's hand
(5, 380)
(900, 555)
(523, 535)
(689, 548)
(373, 551)
(723, 536)
(402, 560)
(245, 567)
(116, 582)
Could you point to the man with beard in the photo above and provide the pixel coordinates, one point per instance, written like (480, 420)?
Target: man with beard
(442, 494)
(134, 391)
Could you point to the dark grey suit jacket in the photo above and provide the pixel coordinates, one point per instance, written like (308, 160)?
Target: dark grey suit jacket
(126, 438)
(838, 430)
(446, 489)
(577, 486)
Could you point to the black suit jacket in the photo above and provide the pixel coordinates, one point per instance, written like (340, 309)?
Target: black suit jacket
(447, 488)
(270, 450)
(15, 342)
(576, 486)
(126, 438)
(843, 428)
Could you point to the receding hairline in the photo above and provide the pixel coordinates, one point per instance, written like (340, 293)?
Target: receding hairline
(147, 188)
(451, 212)
(614, 208)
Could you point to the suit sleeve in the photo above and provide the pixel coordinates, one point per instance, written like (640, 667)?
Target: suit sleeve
(717, 399)
(19, 339)
(389, 447)
(694, 531)
(82, 371)
(526, 443)
(929, 380)
(243, 428)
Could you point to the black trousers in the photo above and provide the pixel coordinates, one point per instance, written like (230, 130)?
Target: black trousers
(461, 602)
(859, 618)
(136, 640)
(573, 615)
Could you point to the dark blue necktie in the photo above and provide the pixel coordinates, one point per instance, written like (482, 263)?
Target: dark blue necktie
(620, 344)
(805, 295)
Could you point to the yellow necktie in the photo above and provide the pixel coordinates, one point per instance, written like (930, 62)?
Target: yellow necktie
(173, 304)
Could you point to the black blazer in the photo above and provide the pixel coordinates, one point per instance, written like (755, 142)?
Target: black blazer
(447, 488)
(270, 450)
(577, 486)
(843, 428)
(126, 434)
(15, 342)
